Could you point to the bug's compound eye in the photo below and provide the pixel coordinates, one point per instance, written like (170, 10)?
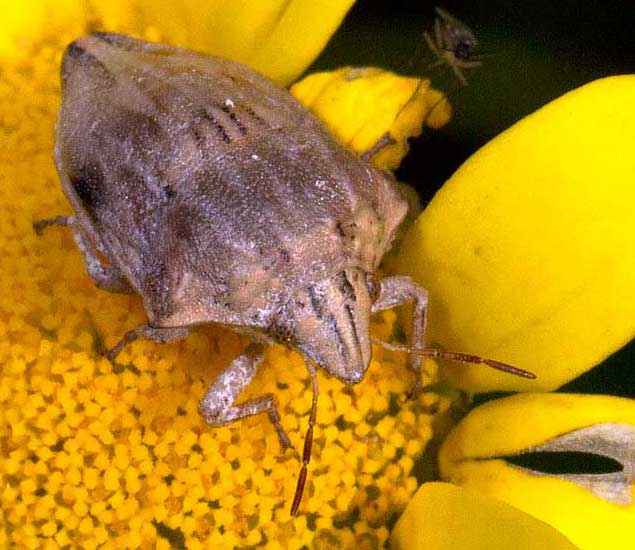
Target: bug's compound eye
(282, 332)
(373, 286)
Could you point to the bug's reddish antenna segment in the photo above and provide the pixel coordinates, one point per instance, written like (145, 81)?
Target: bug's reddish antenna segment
(308, 443)
(457, 356)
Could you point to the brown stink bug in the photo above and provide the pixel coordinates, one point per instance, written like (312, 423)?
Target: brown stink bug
(218, 198)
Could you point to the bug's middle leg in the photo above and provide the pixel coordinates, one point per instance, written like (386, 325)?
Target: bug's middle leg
(218, 406)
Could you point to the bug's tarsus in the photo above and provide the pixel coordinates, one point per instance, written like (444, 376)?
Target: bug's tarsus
(274, 417)
(308, 443)
(40, 225)
(416, 390)
(382, 142)
(458, 356)
(129, 337)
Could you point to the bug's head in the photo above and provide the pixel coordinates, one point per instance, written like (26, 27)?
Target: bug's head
(457, 36)
(329, 323)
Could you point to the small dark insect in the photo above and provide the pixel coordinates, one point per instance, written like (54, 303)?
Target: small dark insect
(453, 44)
(218, 198)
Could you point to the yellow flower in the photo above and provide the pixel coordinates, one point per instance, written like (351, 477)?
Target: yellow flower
(442, 516)
(497, 449)
(530, 262)
(96, 455)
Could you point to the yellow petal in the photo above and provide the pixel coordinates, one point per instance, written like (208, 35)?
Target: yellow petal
(442, 516)
(21, 23)
(528, 251)
(279, 38)
(360, 105)
(594, 510)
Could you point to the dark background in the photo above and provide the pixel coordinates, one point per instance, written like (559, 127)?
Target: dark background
(536, 51)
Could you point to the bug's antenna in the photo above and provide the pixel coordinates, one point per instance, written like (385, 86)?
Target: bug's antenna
(457, 356)
(308, 443)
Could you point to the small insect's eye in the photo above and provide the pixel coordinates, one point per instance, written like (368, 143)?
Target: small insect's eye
(463, 50)
(373, 287)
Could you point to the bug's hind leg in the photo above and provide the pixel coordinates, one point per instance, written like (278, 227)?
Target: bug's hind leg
(106, 276)
(217, 406)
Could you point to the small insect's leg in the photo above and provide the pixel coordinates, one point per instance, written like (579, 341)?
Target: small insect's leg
(106, 276)
(395, 291)
(433, 48)
(217, 406)
(440, 41)
(436, 64)
(468, 64)
(161, 335)
(458, 64)
(457, 72)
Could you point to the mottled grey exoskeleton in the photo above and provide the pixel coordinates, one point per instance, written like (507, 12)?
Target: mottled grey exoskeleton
(218, 198)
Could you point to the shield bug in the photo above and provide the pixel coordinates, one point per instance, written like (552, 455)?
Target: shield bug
(213, 194)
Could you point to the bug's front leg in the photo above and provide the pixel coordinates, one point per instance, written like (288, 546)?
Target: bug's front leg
(218, 406)
(395, 291)
(106, 276)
